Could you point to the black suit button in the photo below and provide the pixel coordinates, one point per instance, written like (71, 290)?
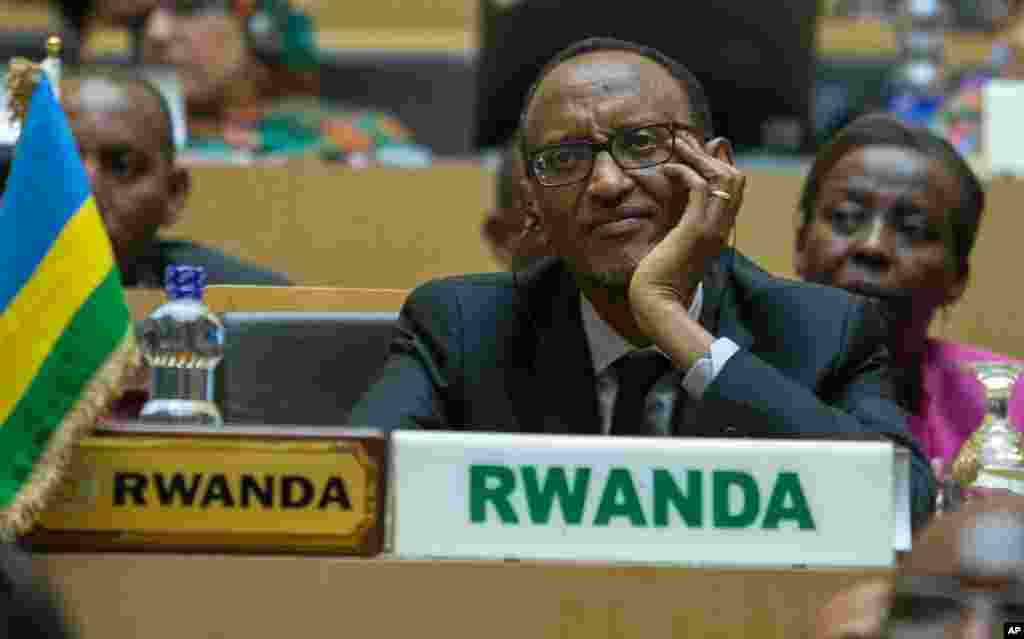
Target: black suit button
(731, 430)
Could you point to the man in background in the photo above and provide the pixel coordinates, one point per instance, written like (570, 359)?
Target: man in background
(964, 579)
(124, 132)
(28, 607)
(965, 576)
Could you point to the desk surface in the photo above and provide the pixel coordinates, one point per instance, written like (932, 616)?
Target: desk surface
(113, 596)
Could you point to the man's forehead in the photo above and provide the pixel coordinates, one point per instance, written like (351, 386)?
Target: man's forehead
(98, 94)
(128, 104)
(603, 77)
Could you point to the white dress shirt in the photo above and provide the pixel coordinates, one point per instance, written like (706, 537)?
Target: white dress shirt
(607, 346)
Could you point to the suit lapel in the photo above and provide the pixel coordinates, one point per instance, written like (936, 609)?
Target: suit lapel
(560, 395)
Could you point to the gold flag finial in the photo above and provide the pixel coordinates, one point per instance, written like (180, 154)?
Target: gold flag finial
(23, 75)
(53, 47)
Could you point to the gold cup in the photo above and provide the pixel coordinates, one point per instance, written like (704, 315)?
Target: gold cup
(992, 458)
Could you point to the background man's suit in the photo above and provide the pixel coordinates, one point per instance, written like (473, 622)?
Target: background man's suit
(507, 352)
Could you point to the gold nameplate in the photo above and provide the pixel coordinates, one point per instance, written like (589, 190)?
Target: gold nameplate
(241, 489)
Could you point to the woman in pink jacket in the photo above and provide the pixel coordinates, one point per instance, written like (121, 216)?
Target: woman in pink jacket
(892, 212)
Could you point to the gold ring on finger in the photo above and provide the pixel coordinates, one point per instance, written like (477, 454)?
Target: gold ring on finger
(725, 195)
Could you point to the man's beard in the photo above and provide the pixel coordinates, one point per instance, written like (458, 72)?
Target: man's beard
(612, 276)
(615, 278)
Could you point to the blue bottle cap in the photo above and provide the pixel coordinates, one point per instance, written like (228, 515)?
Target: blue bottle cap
(184, 282)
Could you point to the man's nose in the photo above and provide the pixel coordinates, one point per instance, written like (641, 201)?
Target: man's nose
(874, 244)
(607, 179)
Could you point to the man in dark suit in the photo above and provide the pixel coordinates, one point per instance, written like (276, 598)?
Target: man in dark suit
(124, 131)
(644, 323)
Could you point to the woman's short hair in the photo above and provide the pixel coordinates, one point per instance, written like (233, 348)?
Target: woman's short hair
(884, 130)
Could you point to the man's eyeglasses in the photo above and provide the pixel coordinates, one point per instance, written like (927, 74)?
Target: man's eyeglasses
(572, 162)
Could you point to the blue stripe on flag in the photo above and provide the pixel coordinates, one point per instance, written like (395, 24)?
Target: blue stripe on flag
(47, 186)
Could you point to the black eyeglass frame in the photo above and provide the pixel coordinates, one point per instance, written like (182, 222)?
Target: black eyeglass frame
(597, 147)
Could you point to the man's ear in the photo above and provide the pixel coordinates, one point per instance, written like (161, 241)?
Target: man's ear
(533, 221)
(799, 261)
(533, 225)
(177, 194)
(720, 149)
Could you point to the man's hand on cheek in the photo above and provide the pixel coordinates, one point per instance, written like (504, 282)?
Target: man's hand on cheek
(710, 190)
(665, 280)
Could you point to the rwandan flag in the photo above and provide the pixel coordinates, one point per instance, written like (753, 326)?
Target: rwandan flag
(65, 335)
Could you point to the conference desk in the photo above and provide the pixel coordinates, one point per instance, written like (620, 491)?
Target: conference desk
(329, 225)
(168, 596)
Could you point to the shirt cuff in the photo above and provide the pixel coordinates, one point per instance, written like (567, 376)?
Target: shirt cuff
(707, 368)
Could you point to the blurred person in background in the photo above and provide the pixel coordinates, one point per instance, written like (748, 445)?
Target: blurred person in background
(510, 229)
(959, 119)
(892, 212)
(964, 578)
(249, 71)
(124, 133)
(28, 607)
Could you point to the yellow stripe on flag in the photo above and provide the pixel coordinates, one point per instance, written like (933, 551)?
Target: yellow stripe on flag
(76, 264)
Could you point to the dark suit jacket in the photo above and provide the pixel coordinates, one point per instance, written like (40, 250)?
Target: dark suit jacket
(220, 267)
(507, 352)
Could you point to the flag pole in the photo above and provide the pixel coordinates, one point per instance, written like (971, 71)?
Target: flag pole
(51, 66)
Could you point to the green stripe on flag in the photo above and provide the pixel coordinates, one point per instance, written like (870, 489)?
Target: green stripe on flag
(94, 332)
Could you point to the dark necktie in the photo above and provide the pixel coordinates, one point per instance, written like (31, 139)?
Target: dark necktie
(637, 372)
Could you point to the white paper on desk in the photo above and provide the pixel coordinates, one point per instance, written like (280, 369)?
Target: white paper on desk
(1002, 128)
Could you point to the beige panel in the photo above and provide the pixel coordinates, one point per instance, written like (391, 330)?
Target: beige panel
(154, 596)
(27, 14)
(392, 14)
(327, 225)
(839, 37)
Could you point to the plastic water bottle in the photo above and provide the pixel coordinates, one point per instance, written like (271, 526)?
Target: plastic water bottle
(919, 84)
(183, 341)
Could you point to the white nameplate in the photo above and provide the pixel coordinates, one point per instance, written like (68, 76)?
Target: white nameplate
(710, 501)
